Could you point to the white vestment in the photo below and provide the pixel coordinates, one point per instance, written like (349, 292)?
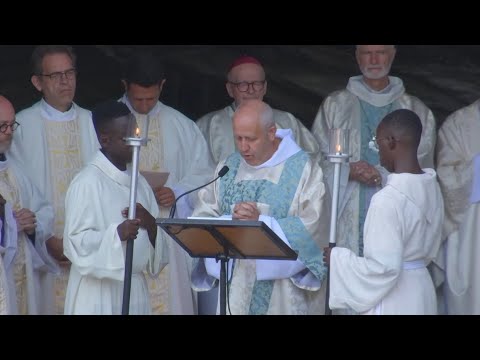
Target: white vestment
(218, 131)
(292, 199)
(342, 109)
(26, 261)
(51, 147)
(178, 147)
(458, 148)
(402, 236)
(93, 211)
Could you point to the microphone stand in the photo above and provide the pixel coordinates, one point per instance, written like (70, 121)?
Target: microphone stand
(221, 173)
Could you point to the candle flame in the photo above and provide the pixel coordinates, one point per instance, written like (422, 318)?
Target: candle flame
(339, 148)
(137, 132)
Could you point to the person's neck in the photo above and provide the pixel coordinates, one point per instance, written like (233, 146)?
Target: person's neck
(377, 84)
(408, 164)
(61, 108)
(119, 164)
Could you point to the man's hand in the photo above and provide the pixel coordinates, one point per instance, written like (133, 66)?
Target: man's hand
(55, 249)
(128, 230)
(147, 221)
(365, 173)
(245, 211)
(164, 195)
(326, 255)
(26, 221)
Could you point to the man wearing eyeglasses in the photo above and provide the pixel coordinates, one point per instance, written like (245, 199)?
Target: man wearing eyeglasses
(246, 80)
(55, 140)
(360, 107)
(26, 221)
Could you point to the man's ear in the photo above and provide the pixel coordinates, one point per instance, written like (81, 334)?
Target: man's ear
(125, 85)
(229, 88)
(104, 140)
(36, 82)
(272, 131)
(392, 143)
(161, 85)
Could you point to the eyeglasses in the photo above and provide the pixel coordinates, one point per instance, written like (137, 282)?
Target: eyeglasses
(4, 127)
(373, 144)
(244, 85)
(57, 76)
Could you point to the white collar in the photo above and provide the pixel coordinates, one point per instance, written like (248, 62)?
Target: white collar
(286, 149)
(358, 87)
(52, 114)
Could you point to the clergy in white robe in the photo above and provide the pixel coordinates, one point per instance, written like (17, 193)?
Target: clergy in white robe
(27, 222)
(55, 140)
(176, 146)
(359, 108)
(51, 147)
(291, 198)
(26, 258)
(402, 236)
(246, 80)
(458, 168)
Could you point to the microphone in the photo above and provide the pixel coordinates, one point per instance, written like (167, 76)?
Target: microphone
(221, 173)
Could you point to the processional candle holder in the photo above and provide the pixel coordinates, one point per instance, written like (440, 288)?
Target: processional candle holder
(337, 155)
(137, 136)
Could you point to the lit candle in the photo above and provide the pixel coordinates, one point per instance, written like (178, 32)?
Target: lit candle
(137, 132)
(339, 149)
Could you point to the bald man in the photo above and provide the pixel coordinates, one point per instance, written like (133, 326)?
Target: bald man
(246, 80)
(273, 180)
(27, 222)
(402, 232)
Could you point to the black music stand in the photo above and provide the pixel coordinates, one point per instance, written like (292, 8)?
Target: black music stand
(224, 240)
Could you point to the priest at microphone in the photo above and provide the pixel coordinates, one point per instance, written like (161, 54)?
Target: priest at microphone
(270, 179)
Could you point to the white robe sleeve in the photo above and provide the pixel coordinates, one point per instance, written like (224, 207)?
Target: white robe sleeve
(32, 199)
(360, 283)
(94, 252)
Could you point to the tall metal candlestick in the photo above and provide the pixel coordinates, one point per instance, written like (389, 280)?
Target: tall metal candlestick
(338, 155)
(137, 141)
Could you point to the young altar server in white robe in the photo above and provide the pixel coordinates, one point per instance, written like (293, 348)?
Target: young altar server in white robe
(26, 223)
(402, 232)
(273, 180)
(96, 231)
